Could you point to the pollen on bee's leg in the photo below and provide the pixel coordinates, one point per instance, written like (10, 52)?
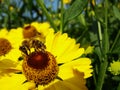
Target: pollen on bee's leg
(5, 46)
(41, 67)
(29, 31)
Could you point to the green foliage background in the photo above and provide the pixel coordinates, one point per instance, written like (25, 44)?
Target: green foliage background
(90, 22)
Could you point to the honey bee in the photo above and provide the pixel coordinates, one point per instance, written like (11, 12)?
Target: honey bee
(26, 44)
(38, 45)
(23, 49)
(32, 43)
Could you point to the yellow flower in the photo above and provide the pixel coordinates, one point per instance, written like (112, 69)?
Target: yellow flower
(42, 28)
(9, 52)
(57, 65)
(37, 29)
(66, 50)
(115, 67)
(14, 36)
(66, 1)
(11, 8)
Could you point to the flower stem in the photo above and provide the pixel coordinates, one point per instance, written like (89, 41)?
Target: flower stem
(104, 63)
(101, 75)
(41, 4)
(62, 10)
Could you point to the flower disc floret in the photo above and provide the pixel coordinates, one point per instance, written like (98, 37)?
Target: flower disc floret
(29, 31)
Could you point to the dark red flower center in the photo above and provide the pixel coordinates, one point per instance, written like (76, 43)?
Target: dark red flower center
(38, 60)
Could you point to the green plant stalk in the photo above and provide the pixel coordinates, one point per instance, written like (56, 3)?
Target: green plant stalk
(101, 75)
(6, 22)
(104, 63)
(41, 4)
(62, 11)
(94, 78)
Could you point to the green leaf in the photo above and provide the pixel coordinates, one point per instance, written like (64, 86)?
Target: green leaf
(116, 78)
(118, 88)
(75, 9)
(116, 12)
(116, 44)
(81, 18)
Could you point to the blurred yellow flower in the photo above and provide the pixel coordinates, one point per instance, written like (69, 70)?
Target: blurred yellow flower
(11, 8)
(63, 52)
(115, 67)
(42, 28)
(37, 29)
(14, 37)
(9, 52)
(66, 1)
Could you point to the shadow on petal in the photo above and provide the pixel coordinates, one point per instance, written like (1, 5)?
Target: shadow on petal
(75, 83)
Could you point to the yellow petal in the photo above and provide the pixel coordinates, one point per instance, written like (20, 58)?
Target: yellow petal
(58, 47)
(7, 67)
(6, 63)
(49, 40)
(12, 82)
(71, 55)
(16, 34)
(14, 54)
(3, 32)
(63, 47)
(81, 64)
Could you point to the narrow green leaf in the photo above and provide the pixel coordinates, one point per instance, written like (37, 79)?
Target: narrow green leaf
(116, 12)
(116, 49)
(76, 8)
(116, 45)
